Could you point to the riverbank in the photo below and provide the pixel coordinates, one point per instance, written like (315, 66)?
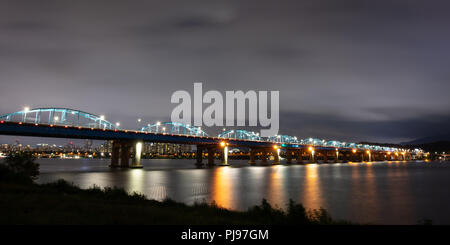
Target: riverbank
(25, 202)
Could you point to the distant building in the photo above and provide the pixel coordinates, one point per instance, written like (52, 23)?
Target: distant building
(88, 145)
(166, 148)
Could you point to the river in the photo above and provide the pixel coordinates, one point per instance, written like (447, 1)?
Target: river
(377, 193)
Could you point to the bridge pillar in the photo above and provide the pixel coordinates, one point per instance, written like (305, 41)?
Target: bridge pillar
(252, 156)
(115, 154)
(300, 156)
(312, 158)
(336, 157)
(125, 148)
(263, 157)
(225, 156)
(199, 156)
(276, 156)
(325, 157)
(289, 156)
(211, 152)
(138, 147)
(344, 157)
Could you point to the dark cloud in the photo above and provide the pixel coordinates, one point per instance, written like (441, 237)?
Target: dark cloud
(342, 67)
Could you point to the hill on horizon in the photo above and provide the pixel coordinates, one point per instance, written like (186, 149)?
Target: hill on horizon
(427, 140)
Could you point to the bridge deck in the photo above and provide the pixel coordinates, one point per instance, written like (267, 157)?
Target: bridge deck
(56, 131)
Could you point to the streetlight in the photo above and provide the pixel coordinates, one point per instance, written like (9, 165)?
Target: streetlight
(117, 124)
(26, 109)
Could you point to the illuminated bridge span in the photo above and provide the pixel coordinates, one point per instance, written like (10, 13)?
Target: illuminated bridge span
(59, 116)
(69, 123)
(174, 128)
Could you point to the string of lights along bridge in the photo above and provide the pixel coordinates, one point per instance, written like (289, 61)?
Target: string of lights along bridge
(70, 123)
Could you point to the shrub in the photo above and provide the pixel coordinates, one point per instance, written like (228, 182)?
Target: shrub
(23, 163)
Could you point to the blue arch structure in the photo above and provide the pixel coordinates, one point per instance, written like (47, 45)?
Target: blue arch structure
(283, 139)
(240, 134)
(174, 128)
(335, 143)
(313, 141)
(59, 116)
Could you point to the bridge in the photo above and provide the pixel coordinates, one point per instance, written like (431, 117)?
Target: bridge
(70, 123)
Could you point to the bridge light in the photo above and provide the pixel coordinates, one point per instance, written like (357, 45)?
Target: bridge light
(310, 149)
(275, 146)
(158, 123)
(354, 150)
(102, 117)
(222, 144)
(56, 118)
(26, 109)
(117, 124)
(368, 152)
(164, 128)
(139, 120)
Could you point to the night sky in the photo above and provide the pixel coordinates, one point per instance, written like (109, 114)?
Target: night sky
(346, 70)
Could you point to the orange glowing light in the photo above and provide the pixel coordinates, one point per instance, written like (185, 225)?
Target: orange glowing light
(354, 150)
(311, 149)
(222, 144)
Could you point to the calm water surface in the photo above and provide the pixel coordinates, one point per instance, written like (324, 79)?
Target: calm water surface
(379, 193)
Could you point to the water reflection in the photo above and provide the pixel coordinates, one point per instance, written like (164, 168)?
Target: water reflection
(393, 192)
(222, 186)
(312, 197)
(276, 191)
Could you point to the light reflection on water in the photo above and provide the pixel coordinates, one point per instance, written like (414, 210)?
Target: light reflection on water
(380, 193)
